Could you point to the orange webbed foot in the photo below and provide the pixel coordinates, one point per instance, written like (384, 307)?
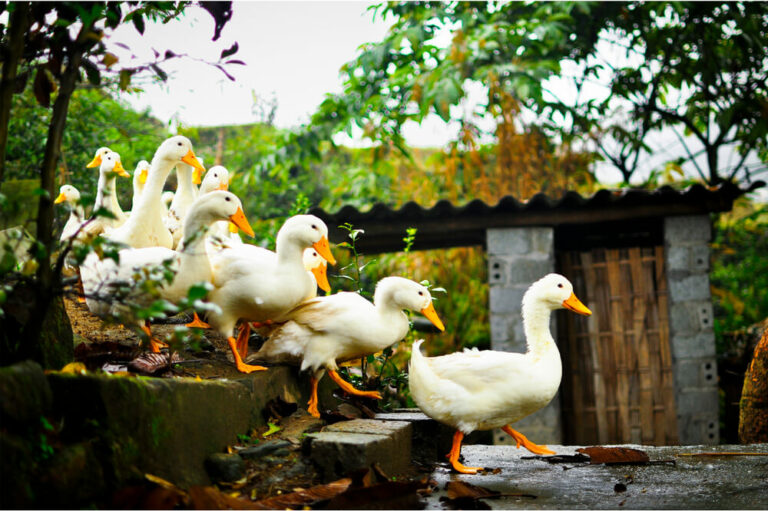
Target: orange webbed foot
(521, 440)
(197, 322)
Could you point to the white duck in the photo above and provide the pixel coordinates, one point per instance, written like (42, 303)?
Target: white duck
(222, 233)
(70, 195)
(106, 194)
(190, 263)
(327, 330)
(187, 177)
(264, 289)
(480, 390)
(139, 180)
(145, 227)
(316, 266)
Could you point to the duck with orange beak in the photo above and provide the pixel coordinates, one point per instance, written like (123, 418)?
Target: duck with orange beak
(250, 285)
(190, 263)
(328, 330)
(145, 227)
(481, 390)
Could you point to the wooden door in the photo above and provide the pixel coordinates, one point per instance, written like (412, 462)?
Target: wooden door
(618, 384)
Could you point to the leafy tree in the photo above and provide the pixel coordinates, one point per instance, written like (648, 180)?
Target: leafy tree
(688, 68)
(60, 44)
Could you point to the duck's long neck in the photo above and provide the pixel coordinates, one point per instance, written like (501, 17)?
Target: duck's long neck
(386, 307)
(104, 190)
(138, 187)
(289, 252)
(185, 189)
(195, 256)
(158, 173)
(536, 318)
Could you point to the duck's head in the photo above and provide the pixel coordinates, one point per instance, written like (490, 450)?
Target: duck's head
(179, 149)
(555, 292)
(410, 295)
(110, 163)
(96, 161)
(67, 193)
(221, 205)
(141, 172)
(319, 267)
(217, 178)
(308, 231)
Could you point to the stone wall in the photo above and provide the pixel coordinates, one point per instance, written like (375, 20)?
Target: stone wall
(516, 258)
(686, 243)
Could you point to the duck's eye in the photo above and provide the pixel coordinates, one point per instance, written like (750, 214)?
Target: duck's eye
(314, 254)
(421, 293)
(314, 226)
(227, 199)
(178, 143)
(560, 285)
(215, 175)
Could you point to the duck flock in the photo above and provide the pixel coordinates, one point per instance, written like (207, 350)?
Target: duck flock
(196, 233)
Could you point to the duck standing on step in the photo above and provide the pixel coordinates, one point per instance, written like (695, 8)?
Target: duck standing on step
(481, 390)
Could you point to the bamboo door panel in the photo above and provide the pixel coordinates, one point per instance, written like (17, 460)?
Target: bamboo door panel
(618, 384)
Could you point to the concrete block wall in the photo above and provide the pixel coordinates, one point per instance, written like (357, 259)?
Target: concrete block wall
(686, 244)
(516, 258)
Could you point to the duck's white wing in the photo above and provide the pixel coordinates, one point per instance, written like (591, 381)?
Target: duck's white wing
(476, 370)
(312, 319)
(323, 313)
(231, 263)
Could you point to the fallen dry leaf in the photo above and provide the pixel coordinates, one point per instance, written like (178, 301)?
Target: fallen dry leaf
(389, 495)
(150, 363)
(615, 455)
(304, 497)
(460, 489)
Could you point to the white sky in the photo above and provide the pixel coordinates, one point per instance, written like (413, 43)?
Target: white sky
(293, 52)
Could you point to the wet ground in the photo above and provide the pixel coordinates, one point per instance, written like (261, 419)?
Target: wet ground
(673, 480)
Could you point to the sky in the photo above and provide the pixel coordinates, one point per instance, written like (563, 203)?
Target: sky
(293, 51)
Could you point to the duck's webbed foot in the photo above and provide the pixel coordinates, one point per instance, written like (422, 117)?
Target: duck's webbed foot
(521, 440)
(242, 366)
(347, 387)
(453, 456)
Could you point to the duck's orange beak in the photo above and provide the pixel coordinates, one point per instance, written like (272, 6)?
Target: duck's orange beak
(95, 162)
(191, 159)
(60, 198)
(431, 314)
(143, 173)
(574, 304)
(120, 170)
(321, 276)
(223, 186)
(324, 249)
(239, 220)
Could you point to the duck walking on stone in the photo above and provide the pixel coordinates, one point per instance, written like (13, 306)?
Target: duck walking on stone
(481, 390)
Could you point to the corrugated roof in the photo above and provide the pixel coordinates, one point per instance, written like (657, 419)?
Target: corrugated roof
(447, 225)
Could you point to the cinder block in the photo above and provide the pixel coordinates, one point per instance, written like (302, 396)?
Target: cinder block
(506, 299)
(695, 374)
(705, 314)
(698, 429)
(693, 287)
(678, 258)
(509, 241)
(683, 320)
(543, 239)
(683, 229)
(693, 346)
(497, 270)
(337, 454)
(700, 258)
(697, 402)
(526, 271)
